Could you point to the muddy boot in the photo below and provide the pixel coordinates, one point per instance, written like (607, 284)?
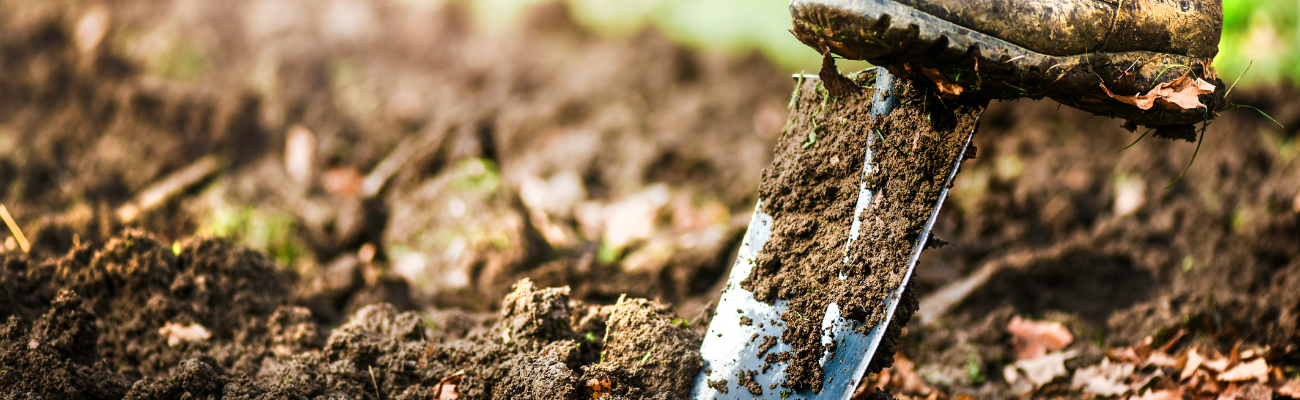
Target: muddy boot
(1147, 61)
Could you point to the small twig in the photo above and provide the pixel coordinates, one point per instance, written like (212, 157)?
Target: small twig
(13, 227)
(169, 186)
(412, 148)
(375, 382)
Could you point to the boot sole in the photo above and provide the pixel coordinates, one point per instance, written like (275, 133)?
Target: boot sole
(888, 33)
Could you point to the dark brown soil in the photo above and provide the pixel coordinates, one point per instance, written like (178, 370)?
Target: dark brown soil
(1214, 255)
(103, 345)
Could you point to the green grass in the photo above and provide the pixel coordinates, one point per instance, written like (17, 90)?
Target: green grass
(1264, 32)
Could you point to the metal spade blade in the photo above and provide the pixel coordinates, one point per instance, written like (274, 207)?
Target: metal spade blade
(729, 349)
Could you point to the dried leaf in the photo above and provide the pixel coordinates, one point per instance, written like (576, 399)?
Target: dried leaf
(1290, 388)
(1181, 94)
(1250, 391)
(1033, 339)
(1194, 361)
(446, 389)
(836, 84)
(946, 86)
(1216, 365)
(1257, 370)
(904, 378)
(1160, 359)
(1161, 395)
(1041, 370)
(1142, 101)
(1105, 379)
(177, 333)
(1139, 381)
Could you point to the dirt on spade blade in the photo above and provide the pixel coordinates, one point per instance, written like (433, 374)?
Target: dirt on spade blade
(811, 190)
(91, 325)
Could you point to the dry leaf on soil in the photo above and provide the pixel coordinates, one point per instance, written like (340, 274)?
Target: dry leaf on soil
(1160, 359)
(1161, 395)
(1033, 339)
(1182, 94)
(177, 333)
(902, 378)
(1216, 365)
(446, 389)
(1257, 370)
(1105, 379)
(1252, 391)
(1194, 361)
(1290, 388)
(1038, 371)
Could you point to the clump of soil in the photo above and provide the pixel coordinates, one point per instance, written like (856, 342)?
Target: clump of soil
(98, 336)
(811, 190)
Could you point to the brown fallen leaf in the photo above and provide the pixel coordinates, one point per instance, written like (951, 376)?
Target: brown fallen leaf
(1038, 371)
(1161, 395)
(901, 377)
(446, 389)
(1256, 370)
(1290, 388)
(1033, 339)
(1160, 359)
(1194, 361)
(946, 86)
(837, 85)
(1105, 379)
(1250, 391)
(1181, 94)
(1216, 365)
(177, 333)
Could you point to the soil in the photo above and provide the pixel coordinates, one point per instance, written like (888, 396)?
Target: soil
(493, 118)
(811, 190)
(87, 325)
(1213, 255)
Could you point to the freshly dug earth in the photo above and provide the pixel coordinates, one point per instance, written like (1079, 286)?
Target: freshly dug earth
(86, 325)
(811, 190)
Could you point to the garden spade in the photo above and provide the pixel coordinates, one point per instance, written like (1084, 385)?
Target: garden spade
(729, 349)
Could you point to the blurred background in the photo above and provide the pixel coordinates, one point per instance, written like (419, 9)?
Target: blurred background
(431, 153)
(1258, 31)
